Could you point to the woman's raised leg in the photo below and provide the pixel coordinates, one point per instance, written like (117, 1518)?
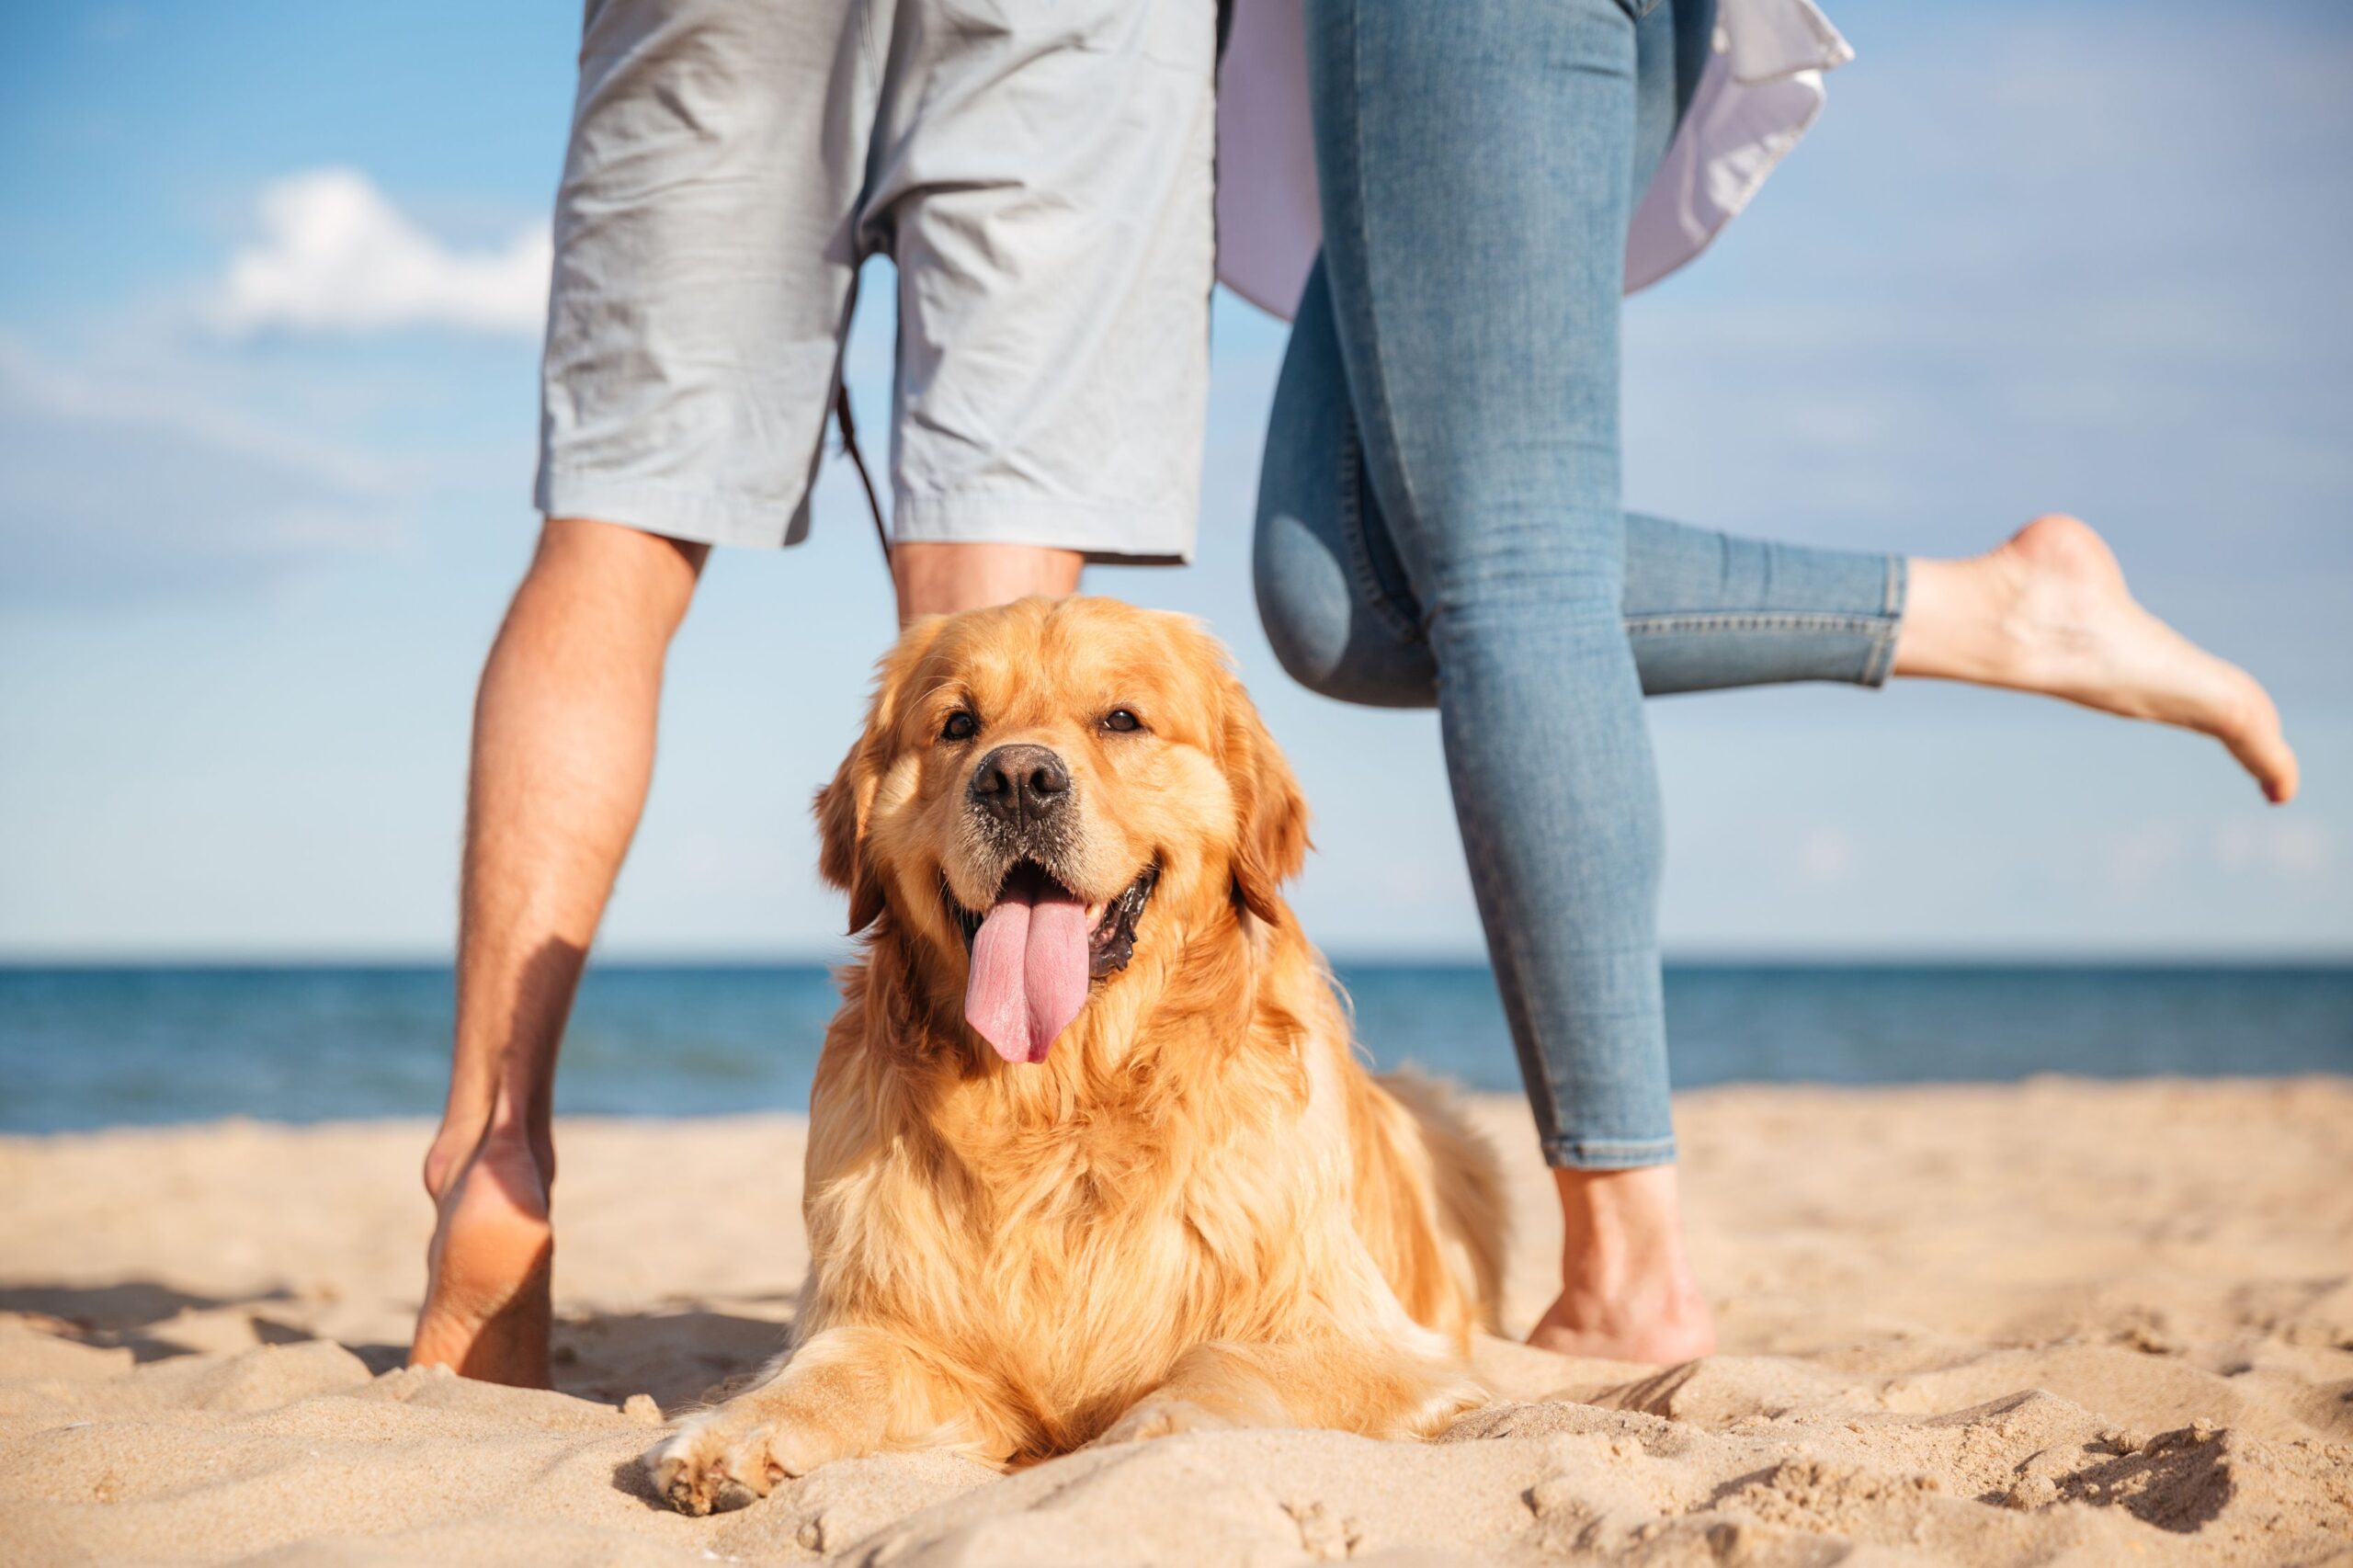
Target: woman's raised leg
(2044, 612)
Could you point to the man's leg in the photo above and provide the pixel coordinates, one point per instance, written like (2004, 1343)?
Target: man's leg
(940, 579)
(562, 752)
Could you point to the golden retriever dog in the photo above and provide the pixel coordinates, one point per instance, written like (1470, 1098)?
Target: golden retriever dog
(1091, 1156)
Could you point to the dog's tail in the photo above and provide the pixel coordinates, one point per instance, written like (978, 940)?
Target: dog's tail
(1465, 1198)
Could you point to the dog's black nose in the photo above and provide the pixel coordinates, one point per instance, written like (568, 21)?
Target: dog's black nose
(1017, 784)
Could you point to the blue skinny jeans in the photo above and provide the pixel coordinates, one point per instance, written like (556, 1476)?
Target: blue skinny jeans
(1439, 515)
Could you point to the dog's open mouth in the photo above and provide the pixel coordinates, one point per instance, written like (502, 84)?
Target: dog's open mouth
(1036, 951)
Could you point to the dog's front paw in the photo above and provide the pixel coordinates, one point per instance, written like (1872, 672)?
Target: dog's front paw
(727, 1459)
(1159, 1417)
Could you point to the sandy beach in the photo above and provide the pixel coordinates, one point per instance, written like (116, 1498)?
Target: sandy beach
(2057, 1323)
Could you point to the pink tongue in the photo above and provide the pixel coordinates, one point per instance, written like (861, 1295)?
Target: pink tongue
(1030, 962)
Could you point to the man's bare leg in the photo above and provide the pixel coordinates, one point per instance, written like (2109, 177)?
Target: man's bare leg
(940, 579)
(562, 752)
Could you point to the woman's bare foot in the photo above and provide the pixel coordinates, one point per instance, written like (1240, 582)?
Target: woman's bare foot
(2048, 612)
(488, 1270)
(1627, 1290)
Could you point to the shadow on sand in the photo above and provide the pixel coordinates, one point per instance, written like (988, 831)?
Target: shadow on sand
(682, 1357)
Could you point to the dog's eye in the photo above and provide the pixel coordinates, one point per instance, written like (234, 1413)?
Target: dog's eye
(960, 726)
(1120, 719)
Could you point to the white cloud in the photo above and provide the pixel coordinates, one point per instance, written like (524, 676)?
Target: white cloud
(1826, 856)
(336, 255)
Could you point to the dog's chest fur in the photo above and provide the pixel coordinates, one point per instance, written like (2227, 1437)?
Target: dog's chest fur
(1068, 1261)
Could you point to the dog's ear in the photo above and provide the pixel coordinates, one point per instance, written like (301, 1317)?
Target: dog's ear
(1270, 814)
(842, 806)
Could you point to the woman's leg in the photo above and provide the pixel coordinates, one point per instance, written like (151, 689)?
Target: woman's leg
(1704, 611)
(1477, 160)
(2045, 612)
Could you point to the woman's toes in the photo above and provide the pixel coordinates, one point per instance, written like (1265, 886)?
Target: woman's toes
(2251, 729)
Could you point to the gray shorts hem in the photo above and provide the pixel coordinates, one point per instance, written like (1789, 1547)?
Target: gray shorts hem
(700, 514)
(1107, 533)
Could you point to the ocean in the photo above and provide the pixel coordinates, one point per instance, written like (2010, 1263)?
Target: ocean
(83, 1047)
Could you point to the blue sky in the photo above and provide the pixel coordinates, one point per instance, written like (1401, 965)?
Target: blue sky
(2034, 258)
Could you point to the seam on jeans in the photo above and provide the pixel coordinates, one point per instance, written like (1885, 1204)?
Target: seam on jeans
(1369, 330)
(1881, 663)
(1371, 590)
(1752, 621)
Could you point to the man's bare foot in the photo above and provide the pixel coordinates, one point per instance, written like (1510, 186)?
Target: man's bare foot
(1626, 1293)
(2048, 612)
(488, 1270)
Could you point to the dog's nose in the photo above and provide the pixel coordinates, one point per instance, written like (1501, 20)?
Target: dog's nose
(1017, 784)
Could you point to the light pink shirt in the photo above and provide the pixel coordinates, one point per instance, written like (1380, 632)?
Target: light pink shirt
(1761, 90)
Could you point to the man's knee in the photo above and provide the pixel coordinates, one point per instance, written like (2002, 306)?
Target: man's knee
(586, 543)
(623, 577)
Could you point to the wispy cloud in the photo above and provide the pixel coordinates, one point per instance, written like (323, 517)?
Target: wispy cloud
(159, 393)
(2292, 848)
(109, 493)
(336, 255)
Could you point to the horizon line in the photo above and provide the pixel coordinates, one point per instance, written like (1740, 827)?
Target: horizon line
(1438, 958)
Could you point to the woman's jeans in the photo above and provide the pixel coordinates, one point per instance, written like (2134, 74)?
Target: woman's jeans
(1439, 517)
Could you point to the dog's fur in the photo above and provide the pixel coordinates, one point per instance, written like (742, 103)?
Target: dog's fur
(1199, 1210)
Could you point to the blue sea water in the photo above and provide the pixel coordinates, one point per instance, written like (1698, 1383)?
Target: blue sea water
(88, 1047)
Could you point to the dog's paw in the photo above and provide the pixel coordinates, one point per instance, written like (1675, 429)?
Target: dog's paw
(724, 1461)
(1161, 1417)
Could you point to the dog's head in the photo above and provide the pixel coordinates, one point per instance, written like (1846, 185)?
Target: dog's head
(1047, 791)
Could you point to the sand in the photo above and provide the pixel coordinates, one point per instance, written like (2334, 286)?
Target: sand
(2059, 1323)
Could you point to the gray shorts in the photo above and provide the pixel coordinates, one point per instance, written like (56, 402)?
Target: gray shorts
(1040, 171)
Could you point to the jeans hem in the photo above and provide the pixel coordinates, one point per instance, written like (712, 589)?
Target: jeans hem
(1882, 663)
(1608, 1154)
